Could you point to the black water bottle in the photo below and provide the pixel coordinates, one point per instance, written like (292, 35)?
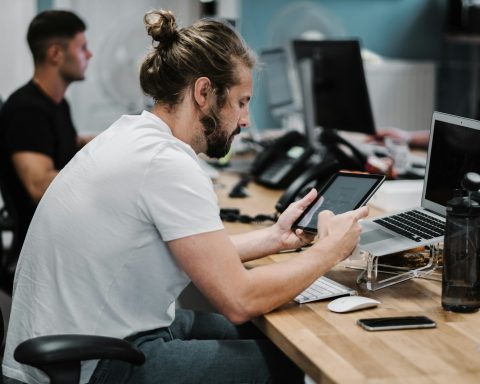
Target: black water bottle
(461, 252)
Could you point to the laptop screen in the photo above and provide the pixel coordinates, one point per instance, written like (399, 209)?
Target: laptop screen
(454, 150)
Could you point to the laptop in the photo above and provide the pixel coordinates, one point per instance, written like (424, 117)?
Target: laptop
(453, 150)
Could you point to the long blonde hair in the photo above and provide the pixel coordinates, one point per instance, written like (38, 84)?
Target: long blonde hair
(209, 48)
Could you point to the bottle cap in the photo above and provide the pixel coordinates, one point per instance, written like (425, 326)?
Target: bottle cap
(471, 182)
(469, 205)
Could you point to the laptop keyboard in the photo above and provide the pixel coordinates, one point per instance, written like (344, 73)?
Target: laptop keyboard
(413, 224)
(323, 288)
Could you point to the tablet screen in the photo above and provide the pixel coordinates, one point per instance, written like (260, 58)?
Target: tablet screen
(342, 193)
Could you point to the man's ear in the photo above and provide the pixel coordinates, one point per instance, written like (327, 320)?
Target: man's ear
(55, 53)
(202, 92)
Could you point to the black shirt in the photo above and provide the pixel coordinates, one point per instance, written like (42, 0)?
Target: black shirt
(32, 121)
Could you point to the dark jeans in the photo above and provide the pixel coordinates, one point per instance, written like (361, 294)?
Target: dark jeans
(202, 348)
(7, 380)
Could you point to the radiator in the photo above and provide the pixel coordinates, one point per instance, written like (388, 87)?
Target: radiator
(402, 93)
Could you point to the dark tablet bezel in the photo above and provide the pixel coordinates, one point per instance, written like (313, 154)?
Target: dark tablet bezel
(378, 181)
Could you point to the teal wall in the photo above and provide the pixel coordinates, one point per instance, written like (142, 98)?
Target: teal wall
(403, 29)
(43, 5)
(409, 29)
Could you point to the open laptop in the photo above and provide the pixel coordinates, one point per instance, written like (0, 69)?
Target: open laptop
(453, 150)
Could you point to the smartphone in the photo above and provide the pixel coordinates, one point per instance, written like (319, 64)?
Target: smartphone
(400, 322)
(344, 192)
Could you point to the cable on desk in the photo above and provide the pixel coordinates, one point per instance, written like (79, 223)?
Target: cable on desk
(238, 189)
(232, 215)
(264, 143)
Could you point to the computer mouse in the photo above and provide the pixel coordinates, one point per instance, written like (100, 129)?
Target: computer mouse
(351, 303)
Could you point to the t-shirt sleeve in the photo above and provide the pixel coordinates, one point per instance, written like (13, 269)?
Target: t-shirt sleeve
(178, 197)
(30, 130)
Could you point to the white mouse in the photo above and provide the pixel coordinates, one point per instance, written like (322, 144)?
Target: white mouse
(351, 303)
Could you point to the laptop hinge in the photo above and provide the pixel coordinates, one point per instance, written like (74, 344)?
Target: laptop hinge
(435, 213)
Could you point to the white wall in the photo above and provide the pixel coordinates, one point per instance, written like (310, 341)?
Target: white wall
(228, 9)
(117, 38)
(402, 93)
(115, 34)
(16, 65)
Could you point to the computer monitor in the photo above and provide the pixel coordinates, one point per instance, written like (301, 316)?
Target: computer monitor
(280, 96)
(339, 88)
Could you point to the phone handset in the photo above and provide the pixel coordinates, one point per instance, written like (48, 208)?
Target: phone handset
(320, 172)
(355, 161)
(286, 157)
(264, 158)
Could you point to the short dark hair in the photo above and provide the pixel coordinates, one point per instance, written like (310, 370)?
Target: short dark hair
(48, 25)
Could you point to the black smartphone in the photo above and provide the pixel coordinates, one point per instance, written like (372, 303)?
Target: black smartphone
(343, 192)
(399, 322)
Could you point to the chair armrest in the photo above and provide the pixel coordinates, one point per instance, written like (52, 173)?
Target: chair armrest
(54, 349)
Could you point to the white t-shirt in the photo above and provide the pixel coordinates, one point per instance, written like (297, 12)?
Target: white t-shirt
(95, 259)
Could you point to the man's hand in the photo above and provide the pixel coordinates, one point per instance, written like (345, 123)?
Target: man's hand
(342, 230)
(299, 238)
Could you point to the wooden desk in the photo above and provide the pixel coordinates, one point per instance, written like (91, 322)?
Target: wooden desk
(330, 347)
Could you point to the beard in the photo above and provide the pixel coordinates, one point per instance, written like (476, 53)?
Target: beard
(72, 70)
(217, 139)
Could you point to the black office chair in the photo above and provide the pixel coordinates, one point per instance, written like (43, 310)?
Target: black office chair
(6, 225)
(8, 254)
(59, 356)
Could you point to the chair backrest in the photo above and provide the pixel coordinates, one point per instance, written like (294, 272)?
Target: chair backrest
(2, 331)
(60, 356)
(8, 224)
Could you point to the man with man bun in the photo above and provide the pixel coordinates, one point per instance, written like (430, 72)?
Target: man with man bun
(133, 219)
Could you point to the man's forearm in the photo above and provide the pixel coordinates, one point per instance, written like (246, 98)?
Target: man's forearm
(37, 188)
(255, 244)
(36, 171)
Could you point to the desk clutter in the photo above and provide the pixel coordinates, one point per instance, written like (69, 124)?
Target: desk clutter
(415, 258)
(408, 284)
(232, 215)
(292, 164)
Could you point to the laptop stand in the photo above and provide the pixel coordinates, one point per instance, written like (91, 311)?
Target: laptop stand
(376, 275)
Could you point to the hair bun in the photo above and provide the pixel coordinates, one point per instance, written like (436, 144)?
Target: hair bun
(161, 26)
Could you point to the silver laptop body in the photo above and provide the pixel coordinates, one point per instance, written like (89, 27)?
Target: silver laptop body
(453, 150)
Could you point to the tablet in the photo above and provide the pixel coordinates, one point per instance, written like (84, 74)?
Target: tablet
(344, 192)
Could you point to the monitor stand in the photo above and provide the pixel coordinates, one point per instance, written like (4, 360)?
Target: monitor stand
(376, 275)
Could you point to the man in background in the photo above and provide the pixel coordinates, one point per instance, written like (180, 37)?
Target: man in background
(37, 135)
